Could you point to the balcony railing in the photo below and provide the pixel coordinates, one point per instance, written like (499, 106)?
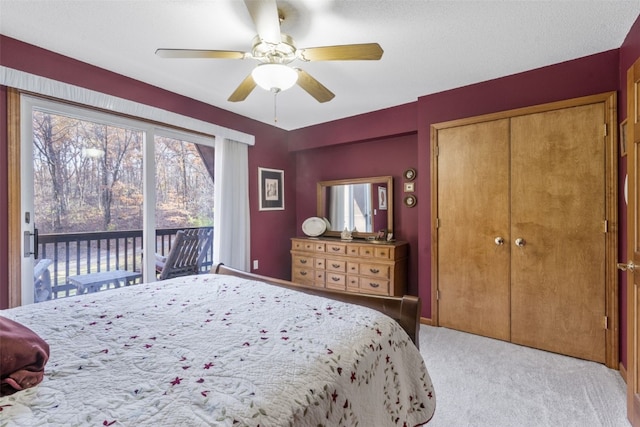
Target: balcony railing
(82, 253)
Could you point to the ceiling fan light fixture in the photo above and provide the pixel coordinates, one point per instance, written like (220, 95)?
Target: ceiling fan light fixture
(274, 77)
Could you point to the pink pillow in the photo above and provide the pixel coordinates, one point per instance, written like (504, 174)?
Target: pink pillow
(23, 355)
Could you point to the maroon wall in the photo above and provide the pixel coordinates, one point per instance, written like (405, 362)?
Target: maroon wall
(394, 121)
(270, 230)
(378, 157)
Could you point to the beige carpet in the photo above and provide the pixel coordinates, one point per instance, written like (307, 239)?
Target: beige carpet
(484, 382)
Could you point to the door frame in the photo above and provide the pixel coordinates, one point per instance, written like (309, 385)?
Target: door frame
(632, 255)
(610, 225)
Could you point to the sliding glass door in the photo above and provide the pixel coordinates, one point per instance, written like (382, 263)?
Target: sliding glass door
(95, 187)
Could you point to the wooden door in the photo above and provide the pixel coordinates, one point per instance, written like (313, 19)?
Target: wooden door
(558, 212)
(633, 243)
(473, 211)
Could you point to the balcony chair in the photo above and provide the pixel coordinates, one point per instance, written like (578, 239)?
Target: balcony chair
(42, 281)
(188, 251)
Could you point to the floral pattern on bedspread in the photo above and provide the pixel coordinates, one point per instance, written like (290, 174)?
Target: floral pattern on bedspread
(219, 350)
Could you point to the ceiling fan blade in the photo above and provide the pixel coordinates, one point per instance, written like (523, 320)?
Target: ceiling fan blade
(313, 87)
(264, 14)
(243, 90)
(197, 53)
(364, 51)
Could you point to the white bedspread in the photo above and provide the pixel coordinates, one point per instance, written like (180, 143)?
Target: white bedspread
(223, 351)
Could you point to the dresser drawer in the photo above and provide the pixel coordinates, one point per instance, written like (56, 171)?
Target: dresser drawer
(353, 250)
(353, 283)
(336, 248)
(319, 276)
(374, 286)
(353, 267)
(297, 245)
(366, 251)
(336, 265)
(335, 281)
(319, 247)
(303, 275)
(375, 270)
(319, 263)
(303, 261)
(303, 245)
(383, 252)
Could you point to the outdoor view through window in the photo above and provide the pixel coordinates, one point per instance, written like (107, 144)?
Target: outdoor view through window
(88, 198)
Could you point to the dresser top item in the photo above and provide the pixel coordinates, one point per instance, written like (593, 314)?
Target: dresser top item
(395, 243)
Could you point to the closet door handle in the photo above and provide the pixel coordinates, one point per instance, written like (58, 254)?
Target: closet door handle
(520, 242)
(630, 266)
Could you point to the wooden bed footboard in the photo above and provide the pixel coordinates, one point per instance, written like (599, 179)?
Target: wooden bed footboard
(405, 310)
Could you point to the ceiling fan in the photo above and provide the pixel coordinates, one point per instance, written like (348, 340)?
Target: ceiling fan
(275, 51)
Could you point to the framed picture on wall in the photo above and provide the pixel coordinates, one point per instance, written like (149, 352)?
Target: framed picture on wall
(271, 189)
(382, 198)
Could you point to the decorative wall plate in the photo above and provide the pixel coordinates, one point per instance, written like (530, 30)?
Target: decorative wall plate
(410, 174)
(410, 201)
(314, 226)
(326, 221)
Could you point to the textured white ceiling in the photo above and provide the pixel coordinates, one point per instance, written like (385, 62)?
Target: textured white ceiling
(429, 45)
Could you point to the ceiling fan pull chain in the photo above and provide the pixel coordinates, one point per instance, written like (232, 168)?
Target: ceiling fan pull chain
(275, 106)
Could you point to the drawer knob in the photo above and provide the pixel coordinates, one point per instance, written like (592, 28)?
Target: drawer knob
(335, 265)
(303, 261)
(374, 270)
(303, 273)
(335, 249)
(335, 279)
(374, 285)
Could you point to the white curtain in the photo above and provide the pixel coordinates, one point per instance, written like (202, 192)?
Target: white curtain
(231, 227)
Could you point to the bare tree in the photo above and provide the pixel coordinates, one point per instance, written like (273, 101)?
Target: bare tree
(51, 145)
(88, 177)
(115, 145)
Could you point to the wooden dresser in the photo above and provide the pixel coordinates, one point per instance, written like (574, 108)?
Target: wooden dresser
(353, 266)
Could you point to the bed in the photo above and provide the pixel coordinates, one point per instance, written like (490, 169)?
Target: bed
(225, 349)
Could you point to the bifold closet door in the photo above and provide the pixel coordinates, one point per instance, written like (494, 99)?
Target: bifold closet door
(558, 212)
(473, 231)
